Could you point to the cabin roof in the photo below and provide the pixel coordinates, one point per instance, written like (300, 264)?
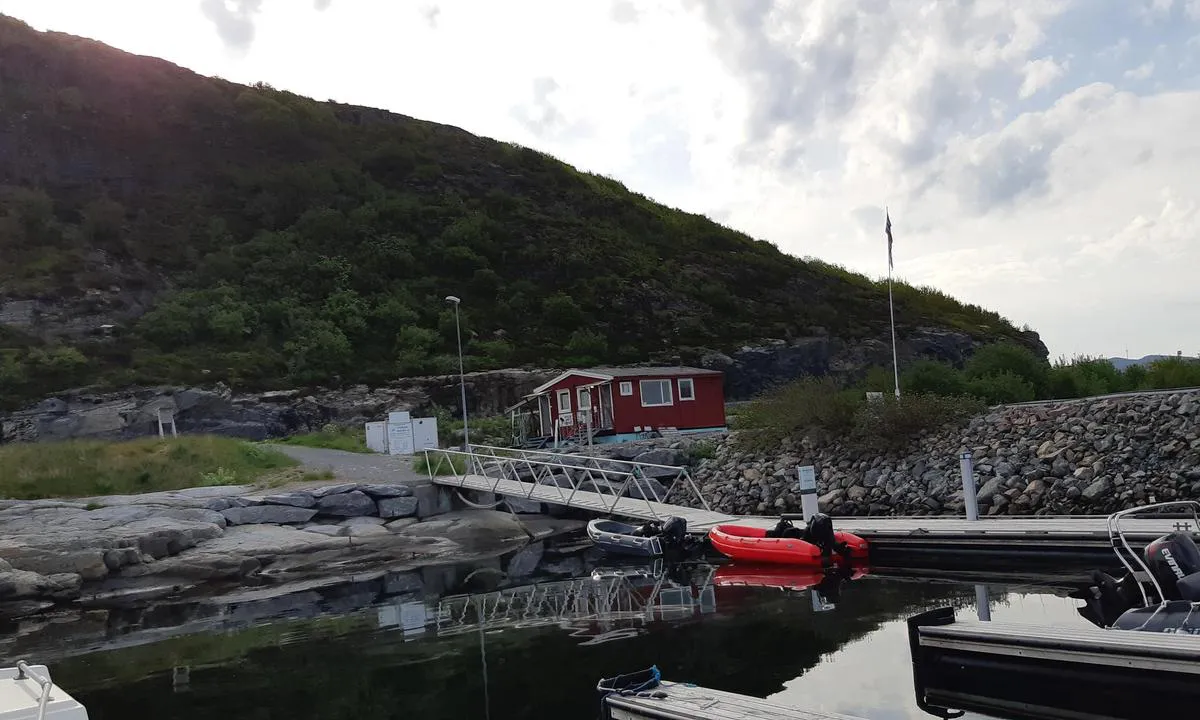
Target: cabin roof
(603, 374)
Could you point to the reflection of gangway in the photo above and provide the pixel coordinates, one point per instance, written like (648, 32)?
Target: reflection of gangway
(586, 605)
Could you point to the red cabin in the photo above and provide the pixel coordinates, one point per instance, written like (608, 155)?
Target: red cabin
(619, 404)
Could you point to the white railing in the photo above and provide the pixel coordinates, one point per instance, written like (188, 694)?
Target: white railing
(541, 468)
(25, 671)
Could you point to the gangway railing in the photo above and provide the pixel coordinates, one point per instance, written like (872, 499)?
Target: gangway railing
(566, 475)
(578, 604)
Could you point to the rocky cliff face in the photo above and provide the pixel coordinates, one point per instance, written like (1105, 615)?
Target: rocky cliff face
(1083, 457)
(751, 370)
(134, 412)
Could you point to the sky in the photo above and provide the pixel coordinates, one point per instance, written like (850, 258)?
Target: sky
(1037, 157)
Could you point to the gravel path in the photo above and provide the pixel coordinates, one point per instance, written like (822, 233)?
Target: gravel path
(355, 467)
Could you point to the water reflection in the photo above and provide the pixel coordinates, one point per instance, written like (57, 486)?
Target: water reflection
(486, 640)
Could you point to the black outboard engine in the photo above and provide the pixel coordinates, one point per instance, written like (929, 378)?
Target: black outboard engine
(820, 533)
(1175, 561)
(674, 531)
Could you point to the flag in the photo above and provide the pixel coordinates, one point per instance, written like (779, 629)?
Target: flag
(888, 229)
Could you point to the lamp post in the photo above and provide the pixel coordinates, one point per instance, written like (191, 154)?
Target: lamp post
(462, 378)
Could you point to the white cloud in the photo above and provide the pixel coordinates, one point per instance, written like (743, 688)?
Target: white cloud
(1141, 72)
(1039, 74)
(1022, 170)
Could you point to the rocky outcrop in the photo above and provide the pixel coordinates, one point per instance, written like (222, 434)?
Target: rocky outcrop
(751, 370)
(51, 548)
(1076, 457)
(134, 412)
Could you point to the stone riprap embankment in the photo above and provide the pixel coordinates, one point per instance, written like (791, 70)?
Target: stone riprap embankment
(1071, 457)
(55, 550)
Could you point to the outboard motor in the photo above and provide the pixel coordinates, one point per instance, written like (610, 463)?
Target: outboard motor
(820, 533)
(674, 531)
(1175, 561)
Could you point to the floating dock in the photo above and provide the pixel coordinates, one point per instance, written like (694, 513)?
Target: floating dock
(1014, 670)
(625, 489)
(677, 701)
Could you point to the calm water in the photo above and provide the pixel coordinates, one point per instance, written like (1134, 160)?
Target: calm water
(410, 645)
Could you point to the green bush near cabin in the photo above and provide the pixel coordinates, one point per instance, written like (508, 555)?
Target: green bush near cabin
(83, 468)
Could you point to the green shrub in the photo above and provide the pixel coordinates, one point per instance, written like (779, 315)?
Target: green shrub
(220, 476)
(808, 405)
(929, 376)
(1000, 358)
(1173, 373)
(892, 423)
(1004, 387)
(702, 450)
(438, 464)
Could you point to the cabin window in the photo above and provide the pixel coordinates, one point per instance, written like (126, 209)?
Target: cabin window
(656, 392)
(564, 402)
(626, 388)
(687, 390)
(585, 399)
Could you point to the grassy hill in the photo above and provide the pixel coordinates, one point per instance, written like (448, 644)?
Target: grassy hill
(252, 235)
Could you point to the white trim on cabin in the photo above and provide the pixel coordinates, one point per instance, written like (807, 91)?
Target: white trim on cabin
(583, 398)
(691, 389)
(564, 408)
(667, 394)
(626, 388)
(583, 373)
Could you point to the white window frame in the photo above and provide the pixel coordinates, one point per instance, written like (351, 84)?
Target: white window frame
(691, 386)
(581, 395)
(626, 388)
(669, 394)
(564, 409)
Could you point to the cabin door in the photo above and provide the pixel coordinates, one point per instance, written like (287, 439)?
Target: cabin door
(544, 415)
(606, 407)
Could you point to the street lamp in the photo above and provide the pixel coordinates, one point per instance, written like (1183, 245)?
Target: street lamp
(462, 378)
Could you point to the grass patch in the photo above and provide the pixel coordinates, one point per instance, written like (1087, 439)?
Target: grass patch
(440, 462)
(333, 437)
(81, 468)
(291, 476)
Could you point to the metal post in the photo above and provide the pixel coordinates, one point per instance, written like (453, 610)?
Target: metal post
(967, 468)
(462, 377)
(982, 605)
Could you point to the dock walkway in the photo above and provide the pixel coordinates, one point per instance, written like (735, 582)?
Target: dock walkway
(620, 489)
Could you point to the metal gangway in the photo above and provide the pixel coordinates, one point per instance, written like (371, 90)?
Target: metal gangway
(608, 605)
(625, 488)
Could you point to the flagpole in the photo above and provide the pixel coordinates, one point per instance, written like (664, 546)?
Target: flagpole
(891, 306)
(892, 312)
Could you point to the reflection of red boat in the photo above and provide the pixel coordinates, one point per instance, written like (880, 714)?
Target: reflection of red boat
(752, 544)
(776, 576)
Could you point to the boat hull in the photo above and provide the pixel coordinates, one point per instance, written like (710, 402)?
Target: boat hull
(618, 539)
(751, 544)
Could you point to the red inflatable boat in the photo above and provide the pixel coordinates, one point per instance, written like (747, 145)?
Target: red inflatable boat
(753, 544)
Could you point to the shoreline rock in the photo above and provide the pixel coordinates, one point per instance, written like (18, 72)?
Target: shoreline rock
(56, 550)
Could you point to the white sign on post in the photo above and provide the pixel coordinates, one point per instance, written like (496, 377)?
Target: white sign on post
(806, 486)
